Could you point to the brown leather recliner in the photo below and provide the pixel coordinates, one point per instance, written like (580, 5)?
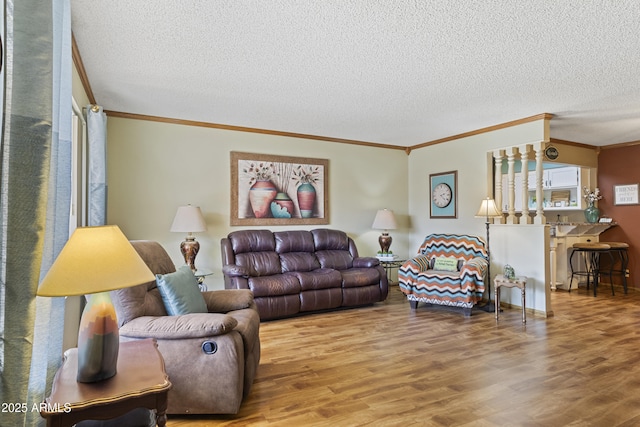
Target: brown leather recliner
(211, 358)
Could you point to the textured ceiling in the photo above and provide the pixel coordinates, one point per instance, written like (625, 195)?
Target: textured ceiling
(400, 72)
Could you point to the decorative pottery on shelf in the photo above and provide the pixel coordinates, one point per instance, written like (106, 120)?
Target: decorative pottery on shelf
(508, 272)
(591, 213)
(261, 194)
(306, 199)
(282, 206)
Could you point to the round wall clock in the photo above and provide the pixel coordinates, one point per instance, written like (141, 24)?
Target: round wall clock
(551, 152)
(441, 195)
(444, 195)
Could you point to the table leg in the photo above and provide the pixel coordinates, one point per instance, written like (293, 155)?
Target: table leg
(524, 303)
(497, 302)
(624, 259)
(161, 410)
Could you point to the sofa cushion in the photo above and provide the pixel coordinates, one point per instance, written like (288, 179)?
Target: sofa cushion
(361, 295)
(252, 241)
(440, 277)
(320, 299)
(423, 262)
(432, 263)
(226, 300)
(180, 292)
(293, 241)
(144, 299)
(366, 262)
(136, 301)
(194, 325)
(445, 263)
(338, 260)
(322, 278)
(259, 263)
(277, 284)
(325, 239)
(299, 261)
(357, 277)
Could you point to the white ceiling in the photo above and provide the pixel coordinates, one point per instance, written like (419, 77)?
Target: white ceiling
(399, 72)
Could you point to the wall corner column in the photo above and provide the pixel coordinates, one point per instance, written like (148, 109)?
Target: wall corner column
(539, 149)
(498, 155)
(511, 187)
(524, 171)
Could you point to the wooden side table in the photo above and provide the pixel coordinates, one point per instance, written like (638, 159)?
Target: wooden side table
(140, 381)
(201, 275)
(517, 282)
(391, 264)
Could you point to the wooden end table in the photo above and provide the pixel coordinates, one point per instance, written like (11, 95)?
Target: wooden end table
(517, 282)
(140, 381)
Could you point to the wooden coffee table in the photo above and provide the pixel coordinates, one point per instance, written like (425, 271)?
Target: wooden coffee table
(140, 382)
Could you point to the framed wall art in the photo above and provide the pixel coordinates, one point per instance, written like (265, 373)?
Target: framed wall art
(443, 189)
(626, 194)
(278, 190)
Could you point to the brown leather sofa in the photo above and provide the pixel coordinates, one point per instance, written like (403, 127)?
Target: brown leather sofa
(211, 358)
(299, 271)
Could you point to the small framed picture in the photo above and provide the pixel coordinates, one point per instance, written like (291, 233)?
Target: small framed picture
(444, 194)
(626, 194)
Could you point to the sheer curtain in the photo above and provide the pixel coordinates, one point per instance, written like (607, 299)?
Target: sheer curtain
(35, 178)
(97, 165)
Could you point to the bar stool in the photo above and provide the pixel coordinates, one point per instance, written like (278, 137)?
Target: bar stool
(621, 249)
(590, 253)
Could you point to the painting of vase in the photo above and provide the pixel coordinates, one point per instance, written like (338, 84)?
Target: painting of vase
(261, 194)
(282, 206)
(278, 190)
(306, 199)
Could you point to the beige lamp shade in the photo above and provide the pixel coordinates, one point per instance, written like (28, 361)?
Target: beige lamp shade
(488, 209)
(189, 219)
(95, 259)
(384, 220)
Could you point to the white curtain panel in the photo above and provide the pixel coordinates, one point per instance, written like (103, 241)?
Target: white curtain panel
(97, 165)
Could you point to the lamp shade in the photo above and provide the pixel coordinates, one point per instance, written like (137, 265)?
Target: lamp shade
(95, 259)
(488, 209)
(384, 220)
(189, 219)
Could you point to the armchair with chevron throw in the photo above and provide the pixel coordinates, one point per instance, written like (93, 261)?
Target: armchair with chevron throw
(449, 270)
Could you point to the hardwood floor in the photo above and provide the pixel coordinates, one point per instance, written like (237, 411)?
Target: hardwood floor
(387, 365)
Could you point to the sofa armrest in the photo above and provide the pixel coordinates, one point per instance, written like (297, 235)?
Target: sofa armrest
(365, 262)
(473, 272)
(477, 264)
(233, 270)
(194, 325)
(224, 301)
(416, 264)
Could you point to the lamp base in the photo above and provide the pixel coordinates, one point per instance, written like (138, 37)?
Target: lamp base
(385, 242)
(98, 340)
(189, 249)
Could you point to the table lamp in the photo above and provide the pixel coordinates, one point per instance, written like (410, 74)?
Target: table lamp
(94, 261)
(189, 220)
(488, 209)
(385, 220)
